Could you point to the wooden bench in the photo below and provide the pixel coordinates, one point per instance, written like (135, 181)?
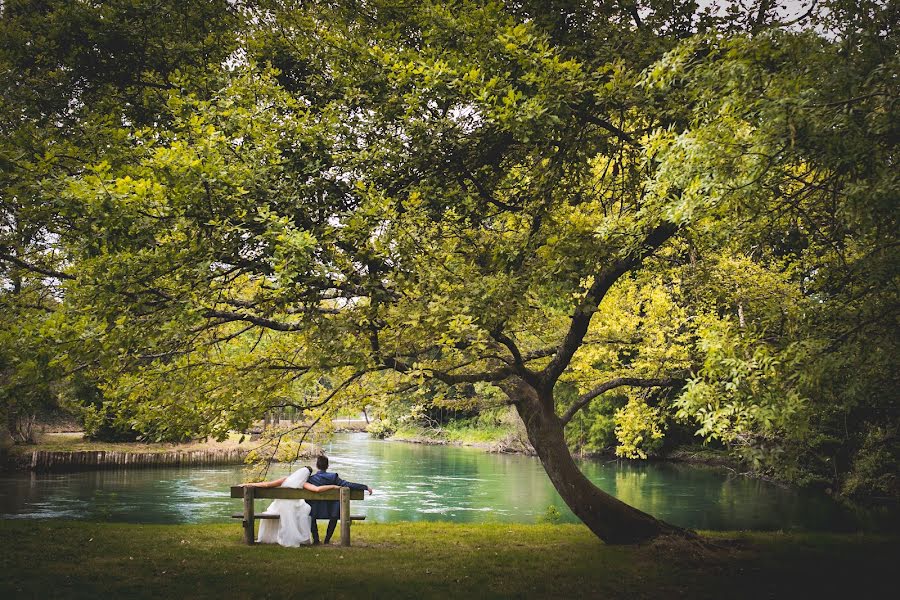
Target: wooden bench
(249, 517)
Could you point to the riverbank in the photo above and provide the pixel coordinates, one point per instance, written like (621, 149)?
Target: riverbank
(65, 451)
(74, 442)
(68, 451)
(492, 439)
(513, 441)
(63, 559)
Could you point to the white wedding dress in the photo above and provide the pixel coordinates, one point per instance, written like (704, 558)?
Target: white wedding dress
(292, 526)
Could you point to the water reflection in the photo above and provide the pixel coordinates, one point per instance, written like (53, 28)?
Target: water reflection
(431, 483)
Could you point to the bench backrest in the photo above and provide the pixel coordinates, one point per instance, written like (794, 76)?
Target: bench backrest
(295, 494)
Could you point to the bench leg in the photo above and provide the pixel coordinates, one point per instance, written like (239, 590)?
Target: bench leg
(345, 516)
(249, 533)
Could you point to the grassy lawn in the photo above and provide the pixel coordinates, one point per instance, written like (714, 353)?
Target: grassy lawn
(53, 559)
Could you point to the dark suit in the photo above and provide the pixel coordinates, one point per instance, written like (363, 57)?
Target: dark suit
(328, 509)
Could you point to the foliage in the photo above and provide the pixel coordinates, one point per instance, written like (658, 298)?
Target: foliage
(805, 122)
(592, 429)
(873, 473)
(462, 431)
(323, 207)
(639, 429)
(742, 390)
(382, 428)
(551, 515)
(28, 377)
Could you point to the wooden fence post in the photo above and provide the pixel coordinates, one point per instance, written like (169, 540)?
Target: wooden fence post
(345, 516)
(249, 534)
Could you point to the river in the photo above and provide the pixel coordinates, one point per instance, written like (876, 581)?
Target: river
(437, 483)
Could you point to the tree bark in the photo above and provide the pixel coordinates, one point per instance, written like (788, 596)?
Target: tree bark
(609, 518)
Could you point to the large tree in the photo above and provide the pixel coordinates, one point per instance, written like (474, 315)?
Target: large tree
(356, 197)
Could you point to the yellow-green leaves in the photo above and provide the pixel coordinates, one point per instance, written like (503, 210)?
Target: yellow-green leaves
(639, 429)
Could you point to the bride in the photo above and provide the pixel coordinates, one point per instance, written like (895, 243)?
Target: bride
(292, 526)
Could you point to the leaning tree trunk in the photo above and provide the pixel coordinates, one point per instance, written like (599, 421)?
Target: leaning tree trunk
(609, 518)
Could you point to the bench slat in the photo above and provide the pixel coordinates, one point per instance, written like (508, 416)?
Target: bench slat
(295, 494)
(271, 516)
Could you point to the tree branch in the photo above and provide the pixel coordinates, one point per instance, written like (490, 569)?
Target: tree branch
(449, 378)
(536, 354)
(228, 316)
(248, 304)
(608, 126)
(30, 267)
(633, 11)
(586, 398)
(603, 281)
(510, 345)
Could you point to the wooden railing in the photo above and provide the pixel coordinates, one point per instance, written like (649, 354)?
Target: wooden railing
(42, 460)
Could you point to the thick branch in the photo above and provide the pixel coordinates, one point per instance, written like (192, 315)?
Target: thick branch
(608, 126)
(486, 196)
(586, 398)
(30, 267)
(259, 321)
(449, 378)
(635, 14)
(803, 17)
(248, 304)
(603, 281)
(761, 13)
(510, 345)
(536, 354)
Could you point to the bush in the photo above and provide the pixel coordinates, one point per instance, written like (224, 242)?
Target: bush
(551, 515)
(382, 428)
(874, 469)
(100, 425)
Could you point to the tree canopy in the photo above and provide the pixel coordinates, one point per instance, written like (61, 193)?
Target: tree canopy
(210, 212)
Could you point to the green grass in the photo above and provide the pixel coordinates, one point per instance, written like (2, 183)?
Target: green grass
(483, 434)
(61, 559)
(454, 433)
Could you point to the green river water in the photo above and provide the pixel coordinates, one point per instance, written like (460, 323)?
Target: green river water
(437, 483)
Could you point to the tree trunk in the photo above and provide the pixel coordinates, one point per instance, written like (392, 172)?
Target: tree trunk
(609, 518)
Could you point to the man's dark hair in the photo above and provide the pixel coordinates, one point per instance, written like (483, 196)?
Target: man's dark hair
(322, 463)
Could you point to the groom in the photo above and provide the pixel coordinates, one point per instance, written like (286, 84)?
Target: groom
(328, 509)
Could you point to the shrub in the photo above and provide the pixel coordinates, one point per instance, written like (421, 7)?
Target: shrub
(551, 515)
(383, 428)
